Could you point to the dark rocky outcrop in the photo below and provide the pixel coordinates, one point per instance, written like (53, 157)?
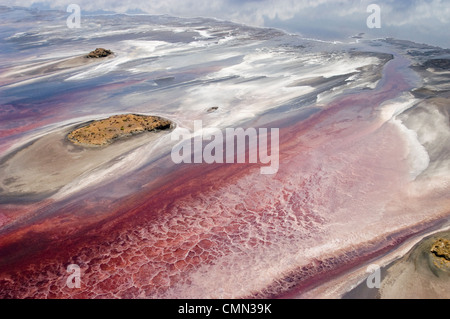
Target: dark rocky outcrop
(212, 109)
(99, 53)
(441, 248)
(438, 64)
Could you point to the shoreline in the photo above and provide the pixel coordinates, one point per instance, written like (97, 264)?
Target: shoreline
(393, 284)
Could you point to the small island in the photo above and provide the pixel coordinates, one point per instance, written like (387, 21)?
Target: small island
(99, 53)
(106, 131)
(441, 252)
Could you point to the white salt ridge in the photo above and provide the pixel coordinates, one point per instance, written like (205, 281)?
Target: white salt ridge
(417, 155)
(105, 32)
(100, 69)
(203, 34)
(393, 108)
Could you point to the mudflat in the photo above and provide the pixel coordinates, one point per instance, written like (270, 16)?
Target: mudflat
(41, 167)
(106, 131)
(423, 273)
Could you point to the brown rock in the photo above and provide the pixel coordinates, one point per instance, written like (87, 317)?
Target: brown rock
(212, 109)
(98, 53)
(441, 248)
(106, 131)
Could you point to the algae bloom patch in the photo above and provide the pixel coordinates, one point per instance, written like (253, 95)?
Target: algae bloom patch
(104, 132)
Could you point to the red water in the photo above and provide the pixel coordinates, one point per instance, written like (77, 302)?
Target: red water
(210, 231)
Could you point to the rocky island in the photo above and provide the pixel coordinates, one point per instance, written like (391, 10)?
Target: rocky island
(104, 132)
(99, 53)
(441, 253)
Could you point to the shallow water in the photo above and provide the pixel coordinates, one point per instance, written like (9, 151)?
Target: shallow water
(348, 189)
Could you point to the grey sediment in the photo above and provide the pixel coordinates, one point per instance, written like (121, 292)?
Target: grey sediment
(38, 169)
(418, 274)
